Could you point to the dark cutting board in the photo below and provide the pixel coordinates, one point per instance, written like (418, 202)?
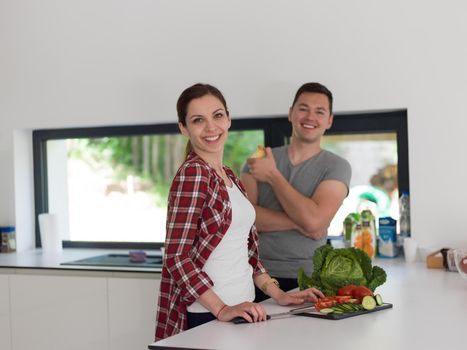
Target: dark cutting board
(333, 316)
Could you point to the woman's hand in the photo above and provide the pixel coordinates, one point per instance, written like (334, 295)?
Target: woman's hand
(309, 295)
(251, 312)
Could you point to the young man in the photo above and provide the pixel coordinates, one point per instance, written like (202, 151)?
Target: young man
(297, 189)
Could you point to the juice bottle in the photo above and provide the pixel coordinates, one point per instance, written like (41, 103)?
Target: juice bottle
(350, 224)
(365, 235)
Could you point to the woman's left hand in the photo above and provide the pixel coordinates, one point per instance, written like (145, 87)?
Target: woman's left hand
(309, 295)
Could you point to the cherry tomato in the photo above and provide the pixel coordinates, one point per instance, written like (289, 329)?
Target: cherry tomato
(346, 290)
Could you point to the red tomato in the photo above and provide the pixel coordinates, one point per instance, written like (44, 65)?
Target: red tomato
(343, 299)
(346, 290)
(326, 299)
(324, 304)
(360, 291)
(319, 307)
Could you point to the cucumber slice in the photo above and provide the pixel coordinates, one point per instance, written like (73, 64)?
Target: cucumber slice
(378, 299)
(368, 302)
(357, 307)
(326, 311)
(339, 307)
(348, 307)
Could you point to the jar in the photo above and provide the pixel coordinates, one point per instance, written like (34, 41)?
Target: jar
(8, 239)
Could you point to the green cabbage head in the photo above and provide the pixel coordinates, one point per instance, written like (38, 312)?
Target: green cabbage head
(335, 268)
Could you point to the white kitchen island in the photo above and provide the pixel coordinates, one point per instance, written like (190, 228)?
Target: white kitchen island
(429, 312)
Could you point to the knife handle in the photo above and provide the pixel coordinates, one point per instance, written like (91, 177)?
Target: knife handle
(239, 320)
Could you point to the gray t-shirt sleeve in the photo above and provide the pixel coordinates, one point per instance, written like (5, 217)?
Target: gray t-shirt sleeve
(339, 169)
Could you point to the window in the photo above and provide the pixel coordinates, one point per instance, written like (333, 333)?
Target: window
(374, 184)
(109, 185)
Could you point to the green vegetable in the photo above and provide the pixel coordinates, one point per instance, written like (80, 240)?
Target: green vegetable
(368, 302)
(378, 299)
(379, 277)
(335, 268)
(326, 310)
(342, 308)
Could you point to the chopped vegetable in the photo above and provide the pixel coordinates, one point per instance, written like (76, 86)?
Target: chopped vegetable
(378, 299)
(361, 291)
(368, 302)
(342, 308)
(326, 310)
(330, 302)
(345, 304)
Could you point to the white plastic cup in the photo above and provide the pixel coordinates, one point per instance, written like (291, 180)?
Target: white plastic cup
(410, 250)
(50, 235)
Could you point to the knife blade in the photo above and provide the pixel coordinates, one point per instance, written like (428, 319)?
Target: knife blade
(239, 320)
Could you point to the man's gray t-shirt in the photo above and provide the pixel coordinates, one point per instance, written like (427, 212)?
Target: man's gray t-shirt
(284, 252)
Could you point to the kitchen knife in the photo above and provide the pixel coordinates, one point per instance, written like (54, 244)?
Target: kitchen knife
(239, 320)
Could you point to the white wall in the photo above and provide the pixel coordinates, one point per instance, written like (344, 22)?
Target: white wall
(104, 62)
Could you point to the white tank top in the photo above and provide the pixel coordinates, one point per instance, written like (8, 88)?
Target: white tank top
(228, 266)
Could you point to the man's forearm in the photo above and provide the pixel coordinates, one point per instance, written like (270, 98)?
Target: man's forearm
(269, 220)
(301, 210)
(295, 217)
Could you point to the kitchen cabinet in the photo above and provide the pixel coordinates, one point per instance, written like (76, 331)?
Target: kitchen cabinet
(132, 311)
(5, 340)
(58, 312)
(48, 309)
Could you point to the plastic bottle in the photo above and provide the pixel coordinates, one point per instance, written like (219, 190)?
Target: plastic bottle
(350, 224)
(368, 234)
(404, 210)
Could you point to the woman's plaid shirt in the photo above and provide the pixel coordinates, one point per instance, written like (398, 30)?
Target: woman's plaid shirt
(199, 214)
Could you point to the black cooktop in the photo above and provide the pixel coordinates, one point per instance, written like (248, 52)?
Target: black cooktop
(117, 260)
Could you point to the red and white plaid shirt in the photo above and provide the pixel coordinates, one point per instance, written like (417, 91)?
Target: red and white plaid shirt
(199, 214)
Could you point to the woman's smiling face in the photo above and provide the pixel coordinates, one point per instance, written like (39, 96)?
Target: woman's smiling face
(207, 125)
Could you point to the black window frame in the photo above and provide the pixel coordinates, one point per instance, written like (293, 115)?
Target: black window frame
(276, 130)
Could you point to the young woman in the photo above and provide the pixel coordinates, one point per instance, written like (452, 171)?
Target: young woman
(211, 261)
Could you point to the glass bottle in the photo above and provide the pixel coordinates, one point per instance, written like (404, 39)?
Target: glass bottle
(404, 210)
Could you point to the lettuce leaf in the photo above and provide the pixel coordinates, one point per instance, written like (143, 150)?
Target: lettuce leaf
(335, 268)
(378, 278)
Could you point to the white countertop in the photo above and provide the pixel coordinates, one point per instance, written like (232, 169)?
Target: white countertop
(429, 312)
(36, 259)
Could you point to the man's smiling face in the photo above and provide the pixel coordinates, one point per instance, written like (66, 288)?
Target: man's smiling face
(310, 117)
